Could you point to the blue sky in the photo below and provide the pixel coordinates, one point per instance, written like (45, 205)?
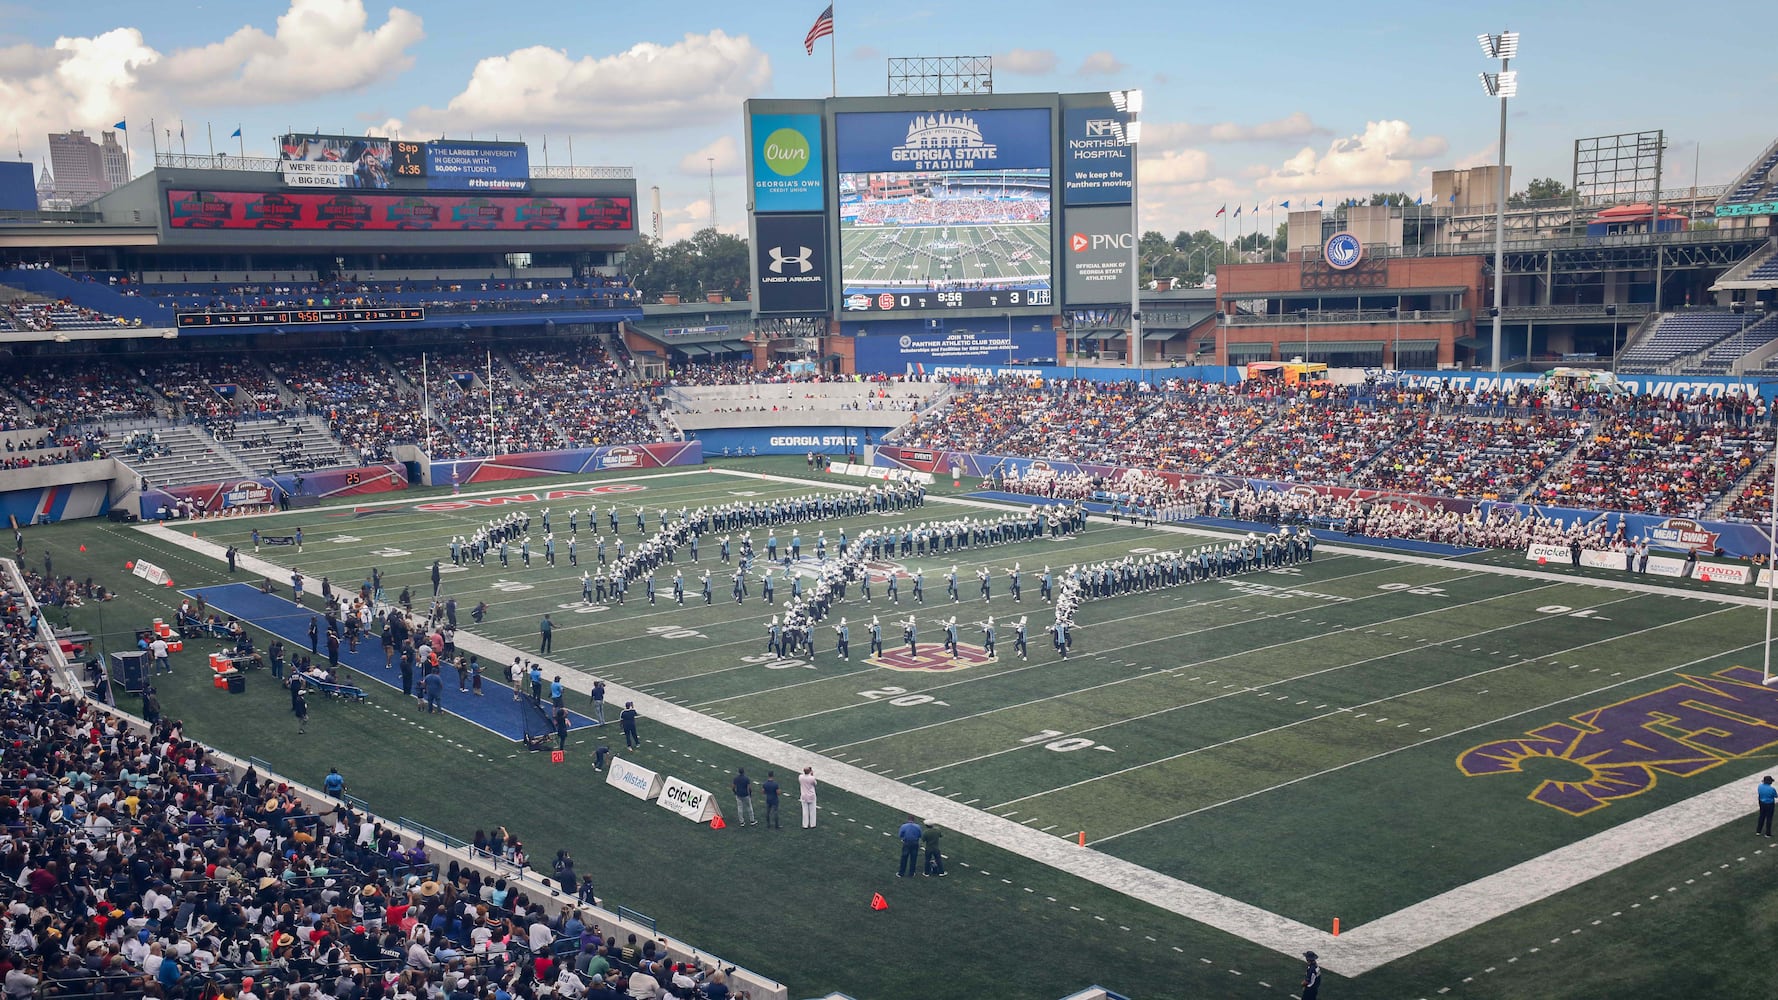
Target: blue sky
(1244, 105)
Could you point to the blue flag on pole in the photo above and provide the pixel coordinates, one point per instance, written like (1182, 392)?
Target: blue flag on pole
(1318, 203)
(236, 134)
(119, 126)
(1284, 204)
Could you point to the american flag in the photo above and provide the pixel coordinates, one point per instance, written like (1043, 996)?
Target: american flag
(822, 27)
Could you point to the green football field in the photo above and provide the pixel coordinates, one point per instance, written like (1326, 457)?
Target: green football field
(1349, 738)
(914, 255)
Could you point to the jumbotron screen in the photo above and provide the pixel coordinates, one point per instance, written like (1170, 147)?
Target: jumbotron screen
(944, 209)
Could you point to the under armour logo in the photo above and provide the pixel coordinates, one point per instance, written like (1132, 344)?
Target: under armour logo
(780, 258)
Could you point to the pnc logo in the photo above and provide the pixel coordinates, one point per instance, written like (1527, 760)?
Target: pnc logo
(786, 152)
(1077, 242)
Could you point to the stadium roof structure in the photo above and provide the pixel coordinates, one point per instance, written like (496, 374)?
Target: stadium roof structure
(1755, 190)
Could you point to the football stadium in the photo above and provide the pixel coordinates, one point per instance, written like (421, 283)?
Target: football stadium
(417, 590)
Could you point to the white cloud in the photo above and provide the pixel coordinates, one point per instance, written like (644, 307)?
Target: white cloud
(648, 87)
(1100, 63)
(319, 47)
(1175, 166)
(1026, 62)
(688, 219)
(725, 150)
(1382, 156)
(1295, 126)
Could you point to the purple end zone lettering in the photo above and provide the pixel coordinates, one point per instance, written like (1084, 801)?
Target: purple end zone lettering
(1680, 730)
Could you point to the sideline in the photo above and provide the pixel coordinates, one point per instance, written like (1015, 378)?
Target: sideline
(1194, 902)
(1458, 910)
(1355, 952)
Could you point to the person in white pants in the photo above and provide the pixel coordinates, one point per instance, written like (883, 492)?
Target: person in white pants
(807, 781)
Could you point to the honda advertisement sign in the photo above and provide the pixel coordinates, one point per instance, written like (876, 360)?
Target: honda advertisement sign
(790, 263)
(1096, 251)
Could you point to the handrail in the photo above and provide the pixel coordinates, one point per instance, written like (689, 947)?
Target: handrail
(271, 164)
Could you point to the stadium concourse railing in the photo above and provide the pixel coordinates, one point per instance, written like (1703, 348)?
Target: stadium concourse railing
(271, 164)
(439, 845)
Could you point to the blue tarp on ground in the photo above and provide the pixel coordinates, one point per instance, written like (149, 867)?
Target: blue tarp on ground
(496, 711)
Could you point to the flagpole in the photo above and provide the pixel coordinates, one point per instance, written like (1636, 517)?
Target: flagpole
(184, 150)
(1273, 234)
(833, 59)
(154, 140)
(243, 139)
(491, 448)
(210, 134)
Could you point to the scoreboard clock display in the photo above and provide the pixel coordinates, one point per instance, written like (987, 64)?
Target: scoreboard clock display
(968, 298)
(408, 159)
(297, 317)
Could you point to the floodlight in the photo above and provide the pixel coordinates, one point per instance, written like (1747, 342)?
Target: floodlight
(1502, 46)
(1501, 85)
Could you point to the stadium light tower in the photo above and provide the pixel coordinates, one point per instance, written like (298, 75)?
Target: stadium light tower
(1130, 103)
(1504, 85)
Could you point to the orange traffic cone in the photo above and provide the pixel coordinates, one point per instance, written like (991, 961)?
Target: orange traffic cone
(877, 902)
(716, 823)
(1083, 838)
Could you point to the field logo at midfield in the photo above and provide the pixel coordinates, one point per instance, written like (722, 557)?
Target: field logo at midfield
(932, 656)
(513, 499)
(1681, 730)
(809, 568)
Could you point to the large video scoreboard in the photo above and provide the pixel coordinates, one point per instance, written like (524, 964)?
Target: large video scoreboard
(377, 163)
(923, 206)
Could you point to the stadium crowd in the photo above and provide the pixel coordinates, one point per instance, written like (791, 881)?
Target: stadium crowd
(1537, 443)
(1588, 449)
(139, 864)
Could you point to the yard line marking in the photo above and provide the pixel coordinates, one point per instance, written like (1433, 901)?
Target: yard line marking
(1124, 680)
(1102, 654)
(1288, 725)
(1384, 753)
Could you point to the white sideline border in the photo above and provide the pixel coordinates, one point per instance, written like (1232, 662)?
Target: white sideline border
(1351, 954)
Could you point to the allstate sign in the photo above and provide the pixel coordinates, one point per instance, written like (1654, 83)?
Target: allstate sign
(633, 779)
(1343, 251)
(787, 166)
